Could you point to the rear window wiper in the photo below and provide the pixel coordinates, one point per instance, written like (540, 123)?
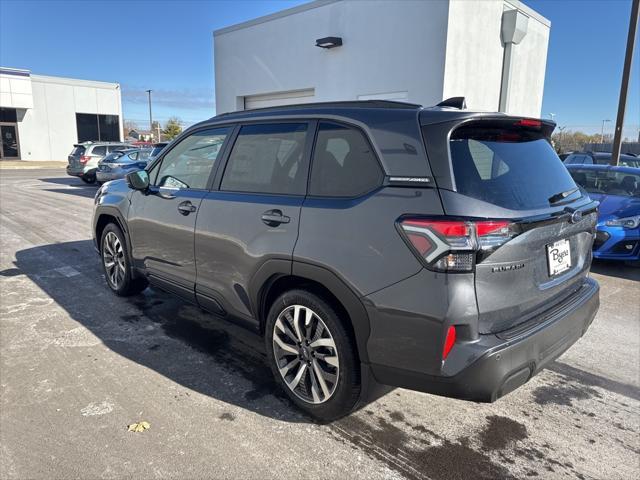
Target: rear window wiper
(558, 197)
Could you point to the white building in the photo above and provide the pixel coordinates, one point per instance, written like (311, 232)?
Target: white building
(411, 50)
(42, 117)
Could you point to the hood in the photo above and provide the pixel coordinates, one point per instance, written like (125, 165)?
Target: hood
(616, 206)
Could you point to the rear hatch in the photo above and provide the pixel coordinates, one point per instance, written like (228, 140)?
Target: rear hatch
(538, 250)
(75, 155)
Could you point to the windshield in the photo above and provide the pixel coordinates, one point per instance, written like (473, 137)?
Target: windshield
(156, 150)
(608, 182)
(513, 168)
(630, 162)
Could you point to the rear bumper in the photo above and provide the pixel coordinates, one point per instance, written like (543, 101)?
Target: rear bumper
(79, 171)
(510, 358)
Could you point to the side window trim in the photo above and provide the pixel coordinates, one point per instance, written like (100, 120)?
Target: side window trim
(367, 138)
(306, 156)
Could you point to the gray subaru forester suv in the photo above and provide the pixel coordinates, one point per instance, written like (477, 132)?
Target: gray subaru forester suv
(371, 243)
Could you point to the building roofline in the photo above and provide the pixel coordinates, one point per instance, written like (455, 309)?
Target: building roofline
(75, 81)
(273, 16)
(530, 12)
(15, 71)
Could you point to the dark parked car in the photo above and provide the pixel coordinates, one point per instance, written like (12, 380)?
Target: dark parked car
(372, 242)
(618, 191)
(84, 158)
(117, 164)
(600, 158)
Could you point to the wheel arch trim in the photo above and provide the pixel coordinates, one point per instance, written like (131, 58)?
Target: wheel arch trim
(274, 270)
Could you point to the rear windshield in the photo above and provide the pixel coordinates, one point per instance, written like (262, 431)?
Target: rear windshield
(514, 168)
(77, 150)
(113, 156)
(609, 182)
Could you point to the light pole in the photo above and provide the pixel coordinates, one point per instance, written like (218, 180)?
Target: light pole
(624, 88)
(602, 131)
(560, 131)
(150, 116)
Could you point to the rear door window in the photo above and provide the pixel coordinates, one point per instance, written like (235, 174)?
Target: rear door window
(511, 168)
(268, 158)
(344, 164)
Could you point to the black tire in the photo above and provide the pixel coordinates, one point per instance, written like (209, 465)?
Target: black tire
(88, 178)
(125, 283)
(347, 388)
(99, 183)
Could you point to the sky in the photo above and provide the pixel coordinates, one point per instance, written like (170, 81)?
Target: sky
(166, 46)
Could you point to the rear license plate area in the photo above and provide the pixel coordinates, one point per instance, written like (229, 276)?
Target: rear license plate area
(558, 257)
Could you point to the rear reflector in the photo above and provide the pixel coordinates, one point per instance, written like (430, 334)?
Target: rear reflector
(449, 342)
(85, 158)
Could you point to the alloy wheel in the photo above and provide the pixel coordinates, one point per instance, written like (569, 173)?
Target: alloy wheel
(113, 258)
(306, 354)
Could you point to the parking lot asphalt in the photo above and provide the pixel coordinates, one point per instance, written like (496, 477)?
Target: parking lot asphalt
(78, 364)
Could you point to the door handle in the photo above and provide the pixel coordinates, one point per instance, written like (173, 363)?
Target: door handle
(185, 208)
(273, 218)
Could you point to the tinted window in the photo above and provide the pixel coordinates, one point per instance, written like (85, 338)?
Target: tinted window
(112, 156)
(100, 151)
(190, 162)
(78, 150)
(607, 181)
(8, 115)
(344, 164)
(109, 126)
(515, 169)
(267, 159)
(92, 127)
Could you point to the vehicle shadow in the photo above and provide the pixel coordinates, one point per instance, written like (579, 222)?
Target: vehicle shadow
(171, 337)
(72, 186)
(615, 269)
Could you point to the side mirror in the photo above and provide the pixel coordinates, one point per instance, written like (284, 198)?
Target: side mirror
(138, 180)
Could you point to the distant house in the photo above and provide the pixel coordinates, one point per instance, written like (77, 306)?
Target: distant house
(140, 135)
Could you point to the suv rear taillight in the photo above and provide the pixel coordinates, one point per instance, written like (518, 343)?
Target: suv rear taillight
(452, 245)
(85, 158)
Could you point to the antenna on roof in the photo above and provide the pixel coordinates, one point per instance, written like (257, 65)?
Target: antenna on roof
(454, 102)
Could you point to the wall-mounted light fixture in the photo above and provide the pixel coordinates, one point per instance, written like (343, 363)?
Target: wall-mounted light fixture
(329, 42)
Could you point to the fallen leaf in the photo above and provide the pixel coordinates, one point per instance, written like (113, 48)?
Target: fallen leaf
(138, 426)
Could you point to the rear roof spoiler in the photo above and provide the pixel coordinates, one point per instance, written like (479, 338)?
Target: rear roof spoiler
(454, 102)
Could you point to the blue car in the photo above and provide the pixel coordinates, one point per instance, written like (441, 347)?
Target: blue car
(117, 164)
(618, 191)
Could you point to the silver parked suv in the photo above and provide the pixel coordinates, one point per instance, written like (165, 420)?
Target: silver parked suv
(84, 158)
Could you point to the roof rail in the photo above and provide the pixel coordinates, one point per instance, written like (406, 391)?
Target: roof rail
(342, 103)
(454, 102)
